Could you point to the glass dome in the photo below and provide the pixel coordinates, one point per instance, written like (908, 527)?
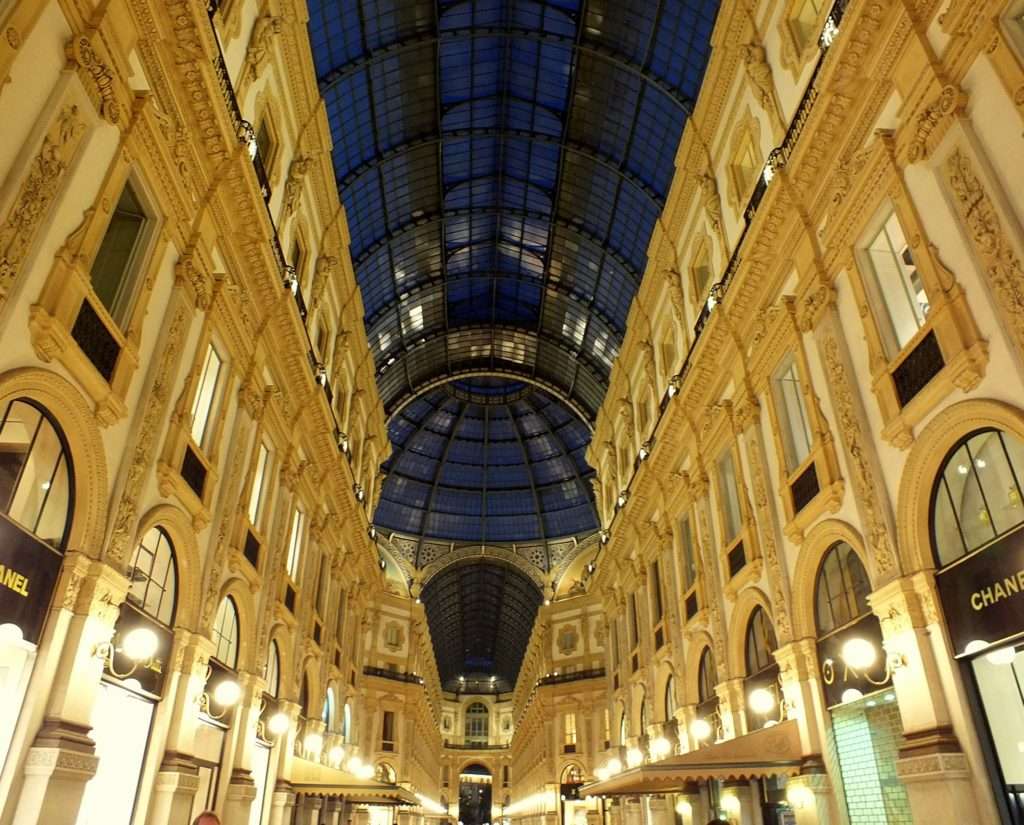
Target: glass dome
(487, 460)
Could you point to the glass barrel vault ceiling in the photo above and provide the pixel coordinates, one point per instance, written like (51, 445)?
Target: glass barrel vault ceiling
(502, 164)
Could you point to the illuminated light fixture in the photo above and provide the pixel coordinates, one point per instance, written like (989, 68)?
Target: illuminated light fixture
(684, 808)
(321, 374)
(604, 536)
(730, 803)
(278, 723)
(383, 564)
(975, 646)
(336, 754)
(342, 441)
(761, 701)
(601, 774)
(799, 796)
(613, 766)
(1002, 655)
(358, 490)
(366, 772)
(138, 645)
(660, 747)
(371, 531)
(700, 729)
(591, 567)
(291, 283)
(622, 499)
(634, 757)
(715, 296)
(227, 693)
(314, 742)
(645, 449)
(851, 695)
(674, 385)
(980, 463)
(354, 765)
(858, 654)
(547, 602)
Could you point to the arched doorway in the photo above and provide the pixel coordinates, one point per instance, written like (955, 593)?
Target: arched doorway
(475, 795)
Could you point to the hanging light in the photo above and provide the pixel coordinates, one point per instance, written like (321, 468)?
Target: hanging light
(278, 723)
(700, 729)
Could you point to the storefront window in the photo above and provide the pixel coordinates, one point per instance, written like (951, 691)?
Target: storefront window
(978, 495)
(35, 473)
(999, 675)
(761, 684)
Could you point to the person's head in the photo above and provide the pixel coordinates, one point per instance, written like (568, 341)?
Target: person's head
(207, 818)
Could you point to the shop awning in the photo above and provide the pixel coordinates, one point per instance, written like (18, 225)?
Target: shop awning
(773, 751)
(316, 779)
(372, 793)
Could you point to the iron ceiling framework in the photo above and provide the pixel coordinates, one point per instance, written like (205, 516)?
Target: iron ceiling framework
(480, 616)
(502, 164)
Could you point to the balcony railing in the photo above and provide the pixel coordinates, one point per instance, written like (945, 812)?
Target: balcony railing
(474, 746)
(393, 675)
(574, 676)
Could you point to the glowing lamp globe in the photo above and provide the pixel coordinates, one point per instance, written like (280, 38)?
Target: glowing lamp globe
(278, 723)
(700, 729)
(227, 693)
(761, 701)
(140, 644)
(859, 654)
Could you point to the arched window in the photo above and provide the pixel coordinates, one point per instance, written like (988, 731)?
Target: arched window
(977, 495)
(274, 670)
(572, 775)
(225, 633)
(760, 642)
(154, 577)
(328, 714)
(346, 723)
(476, 723)
(706, 677)
(36, 478)
(670, 698)
(841, 594)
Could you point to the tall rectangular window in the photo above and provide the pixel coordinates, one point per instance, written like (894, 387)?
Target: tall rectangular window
(789, 401)
(258, 483)
(656, 591)
(114, 273)
(689, 556)
(615, 643)
(570, 730)
(388, 731)
(206, 395)
(295, 545)
(899, 285)
(322, 586)
(729, 493)
(634, 620)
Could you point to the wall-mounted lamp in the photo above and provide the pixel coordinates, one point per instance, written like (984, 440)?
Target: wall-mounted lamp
(659, 748)
(313, 743)
(765, 700)
(225, 696)
(278, 724)
(604, 536)
(860, 655)
(634, 757)
(675, 383)
(708, 727)
(359, 492)
(320, 374)
(342, 439)
(336, 755)
(730, 804)
(622, 499)
(139, 646)
(645, 449)
(684, 808)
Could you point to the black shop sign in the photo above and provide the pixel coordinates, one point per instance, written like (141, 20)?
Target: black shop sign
(983, 595)
(29, 569)
(837, 677)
